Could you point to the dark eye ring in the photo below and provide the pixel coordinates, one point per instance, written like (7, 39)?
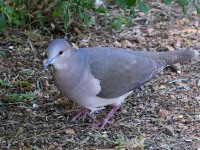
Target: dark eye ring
(61, 52)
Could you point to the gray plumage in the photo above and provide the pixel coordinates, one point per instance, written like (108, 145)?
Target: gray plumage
(99, 76)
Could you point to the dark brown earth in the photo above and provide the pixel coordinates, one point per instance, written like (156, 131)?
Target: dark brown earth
(163, 114)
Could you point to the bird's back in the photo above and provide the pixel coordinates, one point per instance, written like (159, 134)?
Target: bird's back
(119, 70)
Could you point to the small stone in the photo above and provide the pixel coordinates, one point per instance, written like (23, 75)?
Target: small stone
(117, 44)
(59, 148)
(198, 83)
(181, 126)
(180, 116)
(150, 32)
(126, 43)
(140, 107)
(197, 98)
(196, 23)
(35, 106)
(83, 44)
(177, 44)
(163, 113)
(70, 132)
(169, 48)
(46, 84)
(28, 110)
(140, 39)
(11, 47)
(124, 111)
(179, 72)
(175, 118)
(194, 12)
(188, 140)
(137, 121)
(141, 14)
(52, 26)
(173, 97)
(55, 144)
(3, 69)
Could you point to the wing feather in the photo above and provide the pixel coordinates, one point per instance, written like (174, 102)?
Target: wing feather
(120, 71)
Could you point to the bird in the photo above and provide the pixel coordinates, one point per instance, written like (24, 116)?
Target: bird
(95, 77)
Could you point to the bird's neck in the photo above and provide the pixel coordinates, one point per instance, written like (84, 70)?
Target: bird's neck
(70, 76)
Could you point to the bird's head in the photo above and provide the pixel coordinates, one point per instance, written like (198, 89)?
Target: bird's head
(56, 51)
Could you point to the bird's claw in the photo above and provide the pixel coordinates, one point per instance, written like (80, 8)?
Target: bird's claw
(81, 114)
(106, 119)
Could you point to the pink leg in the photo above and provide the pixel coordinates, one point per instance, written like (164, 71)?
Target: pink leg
(106, 119)
(82, 113)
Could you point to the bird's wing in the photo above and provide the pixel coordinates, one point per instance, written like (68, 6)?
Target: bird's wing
(120, 71)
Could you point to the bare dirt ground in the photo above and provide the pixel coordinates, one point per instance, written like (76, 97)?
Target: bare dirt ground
(163, 114)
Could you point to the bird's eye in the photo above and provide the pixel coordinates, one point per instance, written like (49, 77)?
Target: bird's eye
(61, 52)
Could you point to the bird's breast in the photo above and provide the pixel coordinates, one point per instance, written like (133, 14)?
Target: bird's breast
(77, 87)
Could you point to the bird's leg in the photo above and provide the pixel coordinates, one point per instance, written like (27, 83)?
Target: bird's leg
(106, 119)
(82, 113)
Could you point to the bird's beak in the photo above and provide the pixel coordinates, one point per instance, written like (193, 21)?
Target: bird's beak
(48, 62)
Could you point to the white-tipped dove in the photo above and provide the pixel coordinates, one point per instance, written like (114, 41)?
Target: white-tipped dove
(99, 76)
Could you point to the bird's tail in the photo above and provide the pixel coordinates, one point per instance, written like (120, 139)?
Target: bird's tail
(171, 57)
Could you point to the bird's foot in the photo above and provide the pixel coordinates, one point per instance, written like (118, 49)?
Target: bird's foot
(107, 118)
(81, 114)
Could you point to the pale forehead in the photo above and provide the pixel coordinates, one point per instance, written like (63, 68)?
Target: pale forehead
(59, 44)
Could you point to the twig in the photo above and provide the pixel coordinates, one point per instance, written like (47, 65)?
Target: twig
(31, 45)
(147, 104)
(189, 117)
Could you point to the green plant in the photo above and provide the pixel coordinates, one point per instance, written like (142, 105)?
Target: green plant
(139, 141)
(4, 84)
(10, 15)
(119, 141)
(99, 137)
(82, 9)
(19, 97)
(27, 13)
(9, 96)
(185, 3)
(124, 4)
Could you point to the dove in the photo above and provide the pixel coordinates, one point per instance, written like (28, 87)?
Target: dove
(96, 77)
